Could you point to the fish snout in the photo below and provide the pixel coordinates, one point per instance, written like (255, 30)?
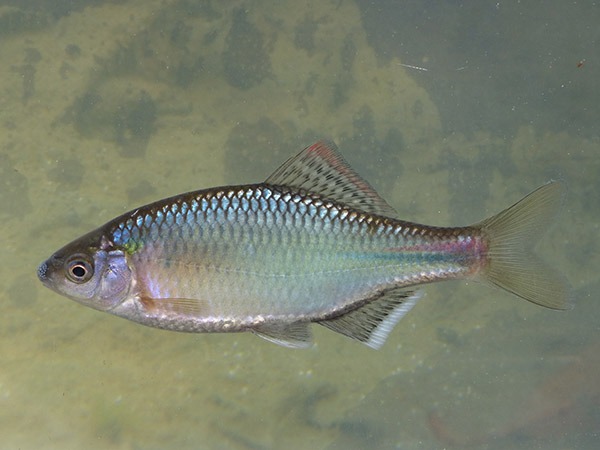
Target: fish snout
(42, 272)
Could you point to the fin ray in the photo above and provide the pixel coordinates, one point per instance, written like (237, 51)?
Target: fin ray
(321, 170)
(186, 306)
(512, 235)
(372, 323)
(291, 335)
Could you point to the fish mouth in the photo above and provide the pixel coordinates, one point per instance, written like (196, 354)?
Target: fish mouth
(46, 274)
(42, 273)
(47, 270)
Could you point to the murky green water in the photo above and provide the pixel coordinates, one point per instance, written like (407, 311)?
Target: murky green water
(108, 105)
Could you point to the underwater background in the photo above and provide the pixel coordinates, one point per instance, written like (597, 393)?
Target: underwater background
(451, 110)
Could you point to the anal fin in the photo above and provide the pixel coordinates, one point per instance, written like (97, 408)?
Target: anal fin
(372, 323)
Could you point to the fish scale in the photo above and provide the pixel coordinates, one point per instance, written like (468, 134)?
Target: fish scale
(314, 243)
(314, 224)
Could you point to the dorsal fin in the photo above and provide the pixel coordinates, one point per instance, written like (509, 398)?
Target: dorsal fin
(320, 169)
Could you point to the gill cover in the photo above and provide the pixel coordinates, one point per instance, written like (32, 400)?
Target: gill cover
(110, 282)
(95, 276)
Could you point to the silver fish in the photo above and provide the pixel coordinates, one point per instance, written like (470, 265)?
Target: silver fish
(313, 243)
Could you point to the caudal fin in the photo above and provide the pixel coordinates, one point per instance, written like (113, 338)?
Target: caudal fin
(512, 235)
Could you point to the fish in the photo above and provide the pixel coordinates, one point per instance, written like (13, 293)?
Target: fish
(314, 243)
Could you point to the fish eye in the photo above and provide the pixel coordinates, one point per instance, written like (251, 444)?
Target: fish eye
(79, 268)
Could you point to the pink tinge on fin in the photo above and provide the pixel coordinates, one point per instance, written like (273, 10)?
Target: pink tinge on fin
(329, 155)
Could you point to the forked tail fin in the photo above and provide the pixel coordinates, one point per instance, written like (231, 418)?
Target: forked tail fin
(512, 235)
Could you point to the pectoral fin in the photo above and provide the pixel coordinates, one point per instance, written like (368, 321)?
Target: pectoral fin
(372, 323)
(190, 307)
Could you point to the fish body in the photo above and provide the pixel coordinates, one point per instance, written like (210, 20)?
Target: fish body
(314, 243)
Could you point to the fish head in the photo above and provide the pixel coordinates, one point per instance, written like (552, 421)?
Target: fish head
(90, 271)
